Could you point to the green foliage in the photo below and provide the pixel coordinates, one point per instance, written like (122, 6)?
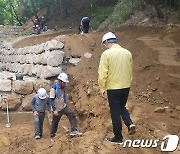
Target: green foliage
(8, 13)
(121, 13)
(99, 15)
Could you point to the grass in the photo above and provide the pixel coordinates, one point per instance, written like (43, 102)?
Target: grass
(121, 13)
(98, 15)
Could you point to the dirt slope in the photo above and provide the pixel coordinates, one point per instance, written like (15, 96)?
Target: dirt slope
(156, 83)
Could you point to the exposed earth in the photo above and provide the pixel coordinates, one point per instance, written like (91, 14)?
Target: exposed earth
(154, 100)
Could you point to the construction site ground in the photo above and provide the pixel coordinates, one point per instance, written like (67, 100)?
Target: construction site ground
(153, 103)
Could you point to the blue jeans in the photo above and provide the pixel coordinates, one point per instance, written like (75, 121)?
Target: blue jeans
(38, 122)
(117, 102)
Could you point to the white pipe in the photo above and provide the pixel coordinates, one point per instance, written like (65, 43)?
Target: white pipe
(8, 114)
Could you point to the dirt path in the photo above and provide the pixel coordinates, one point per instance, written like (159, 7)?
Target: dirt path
(155, 84)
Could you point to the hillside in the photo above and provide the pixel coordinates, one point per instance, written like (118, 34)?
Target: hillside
(153, 102)
(155, 85)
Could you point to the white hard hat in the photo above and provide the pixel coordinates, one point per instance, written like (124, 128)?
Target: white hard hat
(108, 36)
(63, 77)
(42, 93)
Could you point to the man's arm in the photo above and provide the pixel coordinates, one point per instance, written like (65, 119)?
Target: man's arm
(103, 73)
(35, 112)
(49, 104)
(33, 104)
(52, 97)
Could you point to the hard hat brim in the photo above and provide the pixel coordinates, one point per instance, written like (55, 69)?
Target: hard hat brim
(42, 97)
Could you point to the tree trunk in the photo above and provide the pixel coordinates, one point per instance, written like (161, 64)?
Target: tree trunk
(12, 16)
(179, 9)
(34, 9)
(166, 10)
(158, 10)
(27, 9)
(15, 13)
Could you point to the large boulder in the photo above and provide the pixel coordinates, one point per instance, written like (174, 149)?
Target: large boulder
(5, 85)
(39, 48)
(26, 102)
(27, 69)
(42, 83)
(55, 58)
(35, 69)
(39, 58)
(14, 101)
(49, 71)
(53, 45)
(45, 57)
(23, 87)
(29, 59)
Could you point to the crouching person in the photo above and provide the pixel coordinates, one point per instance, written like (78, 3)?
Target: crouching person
(59, 106)
(38, 105)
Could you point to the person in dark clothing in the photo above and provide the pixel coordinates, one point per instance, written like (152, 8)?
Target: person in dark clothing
(85, 24)
(43, 23)
(115, 76)
(38, 105)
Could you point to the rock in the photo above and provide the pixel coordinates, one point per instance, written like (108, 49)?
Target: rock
(5, 85)
(88, 55)
(53, 45)
(42, 83)
(49, 71)
(159, 110)
(55, 58)
(45, 57)
(29, 59)
(40, 48)
(23, 87)
(14, 101)
(89, 92)
(26, 102)
(177, 108)
(39, 58)
(154, 88)
(74, 60)
(27, 69)
(157, 78)
(35, 69)
(39, 69)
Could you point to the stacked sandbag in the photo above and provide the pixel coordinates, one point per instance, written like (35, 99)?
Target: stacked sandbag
(42, 61)
(20, 92)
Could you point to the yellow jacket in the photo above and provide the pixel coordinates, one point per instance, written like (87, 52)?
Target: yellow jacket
(115, 69)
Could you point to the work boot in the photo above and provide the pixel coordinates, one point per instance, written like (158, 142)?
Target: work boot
(37, 137)
(114, 140)
(75, 133)
(132, 129)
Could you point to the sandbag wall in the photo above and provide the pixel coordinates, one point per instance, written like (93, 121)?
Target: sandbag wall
(20, 92)
(9, 31)
(42, 61)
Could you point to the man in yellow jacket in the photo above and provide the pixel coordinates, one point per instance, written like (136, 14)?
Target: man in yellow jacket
(115, 76)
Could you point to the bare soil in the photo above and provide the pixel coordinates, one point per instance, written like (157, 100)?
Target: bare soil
(156, 83)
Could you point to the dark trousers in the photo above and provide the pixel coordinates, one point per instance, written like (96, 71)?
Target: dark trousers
(38, 122)
(85, 30)
(71, 116)
(117, 103)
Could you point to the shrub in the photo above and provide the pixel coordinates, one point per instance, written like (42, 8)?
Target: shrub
(121, 13)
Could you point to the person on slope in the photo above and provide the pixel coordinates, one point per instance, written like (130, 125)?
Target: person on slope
(115, 75)
(59, 106)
